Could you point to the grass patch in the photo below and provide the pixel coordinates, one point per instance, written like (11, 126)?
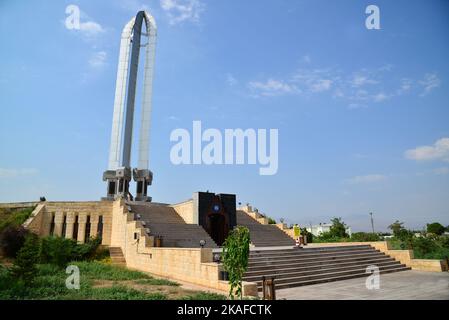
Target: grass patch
(204, 296)
(157, 282)
(98, 281)
(100, 271)
(16, 218)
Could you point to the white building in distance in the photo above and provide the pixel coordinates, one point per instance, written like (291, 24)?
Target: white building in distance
(318, 229)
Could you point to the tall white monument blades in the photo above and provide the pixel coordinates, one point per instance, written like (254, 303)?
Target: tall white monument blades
(118, 174)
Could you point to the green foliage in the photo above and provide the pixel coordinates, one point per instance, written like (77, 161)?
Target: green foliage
(101, 271)
(204, 296)
(235, 258)
(364, 237)
(309, 236)
(396, 227)
(49, 283)
(12, 239)
(24, 267)
(57, 251)
(14, 218)
(271, 220)
(157, 282)
(119, 292)
(60, 251)
(338, 229)
(435, 228)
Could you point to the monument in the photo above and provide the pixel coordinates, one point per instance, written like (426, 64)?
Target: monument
(119, 172)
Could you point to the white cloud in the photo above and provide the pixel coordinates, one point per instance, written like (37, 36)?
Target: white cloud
(438, 151)
(231, 80)
(91, 28)
(98, 59)
(179, 11)
(430, 82)
(14, 173)
(86, 27)
(271, 88)
(321, 85)
(441, 171)
(369, 178)
(380, 97)
(359, 80)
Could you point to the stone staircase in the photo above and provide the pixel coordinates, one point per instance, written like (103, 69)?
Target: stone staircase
(117, 257)
(300, 267)
(163, 221)
(263, 235)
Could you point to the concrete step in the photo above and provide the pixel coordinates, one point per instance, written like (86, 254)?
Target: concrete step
(316, 272)
(117, 257)
(331, 277)
(309, 249)
(312, 263)
(163, 221)
(307, 254)
(320, 266)
(314, 259)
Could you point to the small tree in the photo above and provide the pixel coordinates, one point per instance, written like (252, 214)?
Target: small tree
(24, 267)
(435, 228)
(396, 227)
(338, 228)
(235, 259)
(12, 239)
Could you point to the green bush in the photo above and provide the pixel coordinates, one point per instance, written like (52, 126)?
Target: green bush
(12, 239)
(364, 237)
(235, 256)
(60, 251)
(435, 228)
(24, 267)
(271, 221)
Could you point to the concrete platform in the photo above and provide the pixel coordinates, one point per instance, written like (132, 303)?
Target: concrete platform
(406, 285)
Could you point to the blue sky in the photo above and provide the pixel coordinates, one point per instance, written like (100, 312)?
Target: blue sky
(362, 114)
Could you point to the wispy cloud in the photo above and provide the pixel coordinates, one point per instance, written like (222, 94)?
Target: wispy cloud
(14, 173)
(369, 178)
(271, 87)
(98, 59)
(438, 151)
(179, 11)
(88, 29)
(359, 89)
(430, 82)
(231, 80)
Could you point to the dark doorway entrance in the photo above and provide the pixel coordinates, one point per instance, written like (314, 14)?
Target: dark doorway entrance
(218, 228)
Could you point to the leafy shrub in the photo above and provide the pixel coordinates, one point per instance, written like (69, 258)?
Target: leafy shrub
(235, 258)
(364, 237)
(61, 251)
(24, 267)
(309, 236)
(435, 228)
(56, 250)
(12, 239)
(271, 221)
(338, 228)
(396, 227)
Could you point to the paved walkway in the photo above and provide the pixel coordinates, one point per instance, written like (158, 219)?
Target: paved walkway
(414, 285)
